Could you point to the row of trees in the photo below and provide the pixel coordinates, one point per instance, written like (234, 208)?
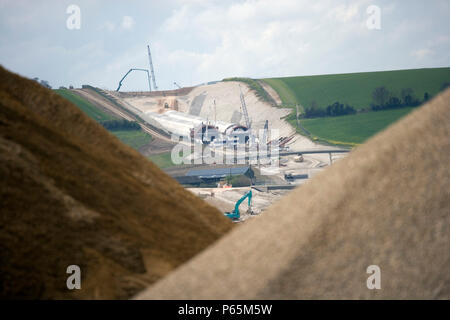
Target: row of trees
(43, 83)
(384, 99)
(333, 110)
(120, 124)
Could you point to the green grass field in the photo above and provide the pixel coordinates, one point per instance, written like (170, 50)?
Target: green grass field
(356, 89)
(91, 110)
(352, 129)
(162, 160)
(134, 138)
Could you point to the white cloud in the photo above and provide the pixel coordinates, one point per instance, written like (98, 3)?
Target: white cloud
(262, 38)
(194, 41)
(421, 53)
(127, 23)
(108, 25)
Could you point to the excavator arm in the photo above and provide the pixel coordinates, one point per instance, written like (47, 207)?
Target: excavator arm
(235, 215)
(134, 69)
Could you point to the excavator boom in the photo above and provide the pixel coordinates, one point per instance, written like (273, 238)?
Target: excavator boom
(235, 215)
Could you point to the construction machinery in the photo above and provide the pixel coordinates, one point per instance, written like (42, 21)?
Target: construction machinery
(235, 214)
(265, 136)
(150, 62)
(244, 109)
(135, 69)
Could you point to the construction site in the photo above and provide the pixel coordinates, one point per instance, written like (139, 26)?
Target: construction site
(224, 155)
(136, 233)
(228, 119)
(226, 195)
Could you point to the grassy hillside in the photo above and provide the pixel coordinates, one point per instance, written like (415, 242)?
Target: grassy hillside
(91, 110)
(162, 160)
(356, 89)
(352, 129)
(134, 138)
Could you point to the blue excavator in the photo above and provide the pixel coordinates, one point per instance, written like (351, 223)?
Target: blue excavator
(235, 214)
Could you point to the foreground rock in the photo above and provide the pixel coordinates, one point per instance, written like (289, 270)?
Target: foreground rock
(386, 204)
(72, 194)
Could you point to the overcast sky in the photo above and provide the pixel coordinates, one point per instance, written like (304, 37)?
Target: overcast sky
(198, 41)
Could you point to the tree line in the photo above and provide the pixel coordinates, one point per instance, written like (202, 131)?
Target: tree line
(333, 110)
(120, 124)
(382, 99)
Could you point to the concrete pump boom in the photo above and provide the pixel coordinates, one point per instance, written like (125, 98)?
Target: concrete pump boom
(123, 78)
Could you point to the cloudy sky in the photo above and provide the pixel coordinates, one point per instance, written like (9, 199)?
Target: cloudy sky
(195, 41)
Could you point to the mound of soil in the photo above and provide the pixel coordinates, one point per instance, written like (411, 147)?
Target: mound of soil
(72, 194)
(386, 204)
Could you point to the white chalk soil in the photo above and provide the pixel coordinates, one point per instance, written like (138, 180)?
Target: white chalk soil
(221, 101)
(225, 199)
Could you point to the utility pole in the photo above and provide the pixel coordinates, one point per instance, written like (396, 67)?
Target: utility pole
(296, 106)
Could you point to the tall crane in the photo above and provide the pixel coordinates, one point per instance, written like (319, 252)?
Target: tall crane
(244, 110)
(151, 68)
(266, 129)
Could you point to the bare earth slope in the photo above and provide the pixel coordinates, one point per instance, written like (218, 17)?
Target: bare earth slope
(386, 204)
(199, 101)
(72, 194)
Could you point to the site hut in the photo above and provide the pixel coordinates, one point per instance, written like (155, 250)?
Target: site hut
(240, 176)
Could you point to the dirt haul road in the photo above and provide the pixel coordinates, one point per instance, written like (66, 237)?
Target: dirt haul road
(110, 107)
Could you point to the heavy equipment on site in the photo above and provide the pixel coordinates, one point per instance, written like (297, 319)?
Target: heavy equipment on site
(150, 62)
(135, 69)
(244, 109)
(298, 158)
(150, 78)
(235, 214)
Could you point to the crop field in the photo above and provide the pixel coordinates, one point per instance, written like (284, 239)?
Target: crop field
(352, 129)
(356, 89)
(162, 160)
(91, 110)
(134, 138)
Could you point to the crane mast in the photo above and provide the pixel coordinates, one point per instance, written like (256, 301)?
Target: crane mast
(151, 68)
(266, 129)
(244, 110)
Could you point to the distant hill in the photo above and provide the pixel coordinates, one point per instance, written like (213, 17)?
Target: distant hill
(72, 194)
(356, 89)
(91, 110)
(135, 138)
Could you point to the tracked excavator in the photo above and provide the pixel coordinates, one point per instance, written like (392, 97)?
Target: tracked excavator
(235, 214)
